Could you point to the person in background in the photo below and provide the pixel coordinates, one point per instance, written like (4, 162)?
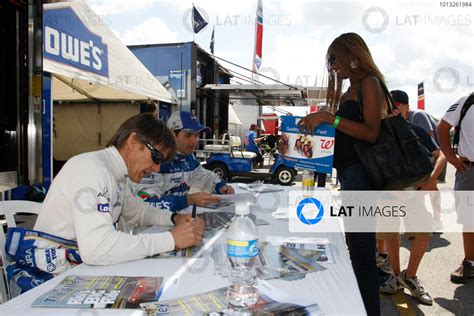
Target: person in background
(349, 58)
(152, 108)
(420, 240)
(463, 161)
(423, 120)
(252, 144)
(169, 188)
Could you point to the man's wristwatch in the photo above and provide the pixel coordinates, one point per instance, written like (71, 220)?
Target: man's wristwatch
(172, 218)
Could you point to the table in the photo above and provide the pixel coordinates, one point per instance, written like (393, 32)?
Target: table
(334, 289)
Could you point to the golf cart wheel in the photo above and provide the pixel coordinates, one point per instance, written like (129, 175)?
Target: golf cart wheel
(284, 176)
(220, 169)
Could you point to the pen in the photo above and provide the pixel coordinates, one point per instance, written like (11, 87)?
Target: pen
(193, 214)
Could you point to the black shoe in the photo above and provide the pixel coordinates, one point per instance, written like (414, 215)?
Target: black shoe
(464, 273)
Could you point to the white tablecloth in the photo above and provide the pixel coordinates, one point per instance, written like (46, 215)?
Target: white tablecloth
(334, 289)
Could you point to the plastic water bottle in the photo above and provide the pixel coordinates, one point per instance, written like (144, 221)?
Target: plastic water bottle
(308, 180)
(242, 250)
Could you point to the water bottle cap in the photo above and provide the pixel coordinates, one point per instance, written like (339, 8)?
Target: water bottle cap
(242, 209)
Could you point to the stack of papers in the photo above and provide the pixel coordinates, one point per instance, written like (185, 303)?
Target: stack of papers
(276, 261)
(102, 292)
(214, 303)
(260, 187)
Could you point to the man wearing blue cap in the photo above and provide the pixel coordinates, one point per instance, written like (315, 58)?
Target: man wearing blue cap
(169, 189)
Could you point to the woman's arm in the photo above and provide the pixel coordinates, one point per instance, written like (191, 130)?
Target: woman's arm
(369, 129)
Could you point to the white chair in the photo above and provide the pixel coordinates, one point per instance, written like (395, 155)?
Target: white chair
(9, 209)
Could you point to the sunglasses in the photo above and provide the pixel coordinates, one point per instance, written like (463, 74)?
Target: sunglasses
(156, 155)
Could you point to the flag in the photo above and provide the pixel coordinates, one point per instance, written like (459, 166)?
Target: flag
(198, 21)
(212, 42)
(421, 96)
(257, 56)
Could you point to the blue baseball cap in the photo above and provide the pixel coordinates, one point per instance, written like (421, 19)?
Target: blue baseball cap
(182, 120)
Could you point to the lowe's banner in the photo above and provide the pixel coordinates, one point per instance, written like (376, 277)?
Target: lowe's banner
(68, 40)
(84, 54)
(306, 151)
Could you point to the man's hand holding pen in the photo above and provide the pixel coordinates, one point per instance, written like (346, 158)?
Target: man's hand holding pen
(188, 230)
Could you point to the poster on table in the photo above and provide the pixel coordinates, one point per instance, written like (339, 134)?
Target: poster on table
(120, 292)
(311, 152)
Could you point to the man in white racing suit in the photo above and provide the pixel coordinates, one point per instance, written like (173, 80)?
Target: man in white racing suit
(169, 189)
(90, 194)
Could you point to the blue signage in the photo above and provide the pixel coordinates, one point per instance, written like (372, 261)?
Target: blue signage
(306, 151)
(67, 40)
(177, 80)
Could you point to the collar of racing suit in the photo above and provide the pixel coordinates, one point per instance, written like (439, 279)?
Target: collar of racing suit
(117, 164)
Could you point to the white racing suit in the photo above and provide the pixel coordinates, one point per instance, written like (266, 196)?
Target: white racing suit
(85, 202)
(169, 188)
(37, 257)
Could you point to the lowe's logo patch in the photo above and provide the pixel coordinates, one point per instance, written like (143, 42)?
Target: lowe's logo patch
(103, 207)
(68, 40)
(103, 201)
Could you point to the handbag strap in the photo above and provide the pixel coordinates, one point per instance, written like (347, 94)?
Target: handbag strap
(387, 94)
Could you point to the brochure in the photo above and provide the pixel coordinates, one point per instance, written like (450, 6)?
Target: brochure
(213, 221)
(220, 204)
(102, 292)
(275, 261)
(219, 220)
(260, 187)
(214, 303)
(309, 243)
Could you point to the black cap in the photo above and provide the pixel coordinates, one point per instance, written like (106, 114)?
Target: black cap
(400, 96)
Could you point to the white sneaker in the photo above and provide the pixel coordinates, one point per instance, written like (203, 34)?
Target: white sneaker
(416, 288)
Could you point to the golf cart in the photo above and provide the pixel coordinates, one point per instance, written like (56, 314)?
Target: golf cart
(228, 159)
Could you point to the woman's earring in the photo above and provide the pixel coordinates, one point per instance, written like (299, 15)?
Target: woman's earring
(353, 65)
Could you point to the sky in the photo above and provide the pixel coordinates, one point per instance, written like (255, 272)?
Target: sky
(411, 42)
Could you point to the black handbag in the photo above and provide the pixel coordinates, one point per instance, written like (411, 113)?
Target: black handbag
(397, 160)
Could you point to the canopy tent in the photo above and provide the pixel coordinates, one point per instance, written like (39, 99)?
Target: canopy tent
(88, 61)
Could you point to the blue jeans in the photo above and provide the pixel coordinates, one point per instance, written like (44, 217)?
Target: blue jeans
(362, 246)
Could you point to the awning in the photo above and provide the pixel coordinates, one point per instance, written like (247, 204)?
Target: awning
(271, 95)
(88, 61)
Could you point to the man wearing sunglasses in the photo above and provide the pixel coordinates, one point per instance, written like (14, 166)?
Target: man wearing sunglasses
(92, 192)
(169, 189)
